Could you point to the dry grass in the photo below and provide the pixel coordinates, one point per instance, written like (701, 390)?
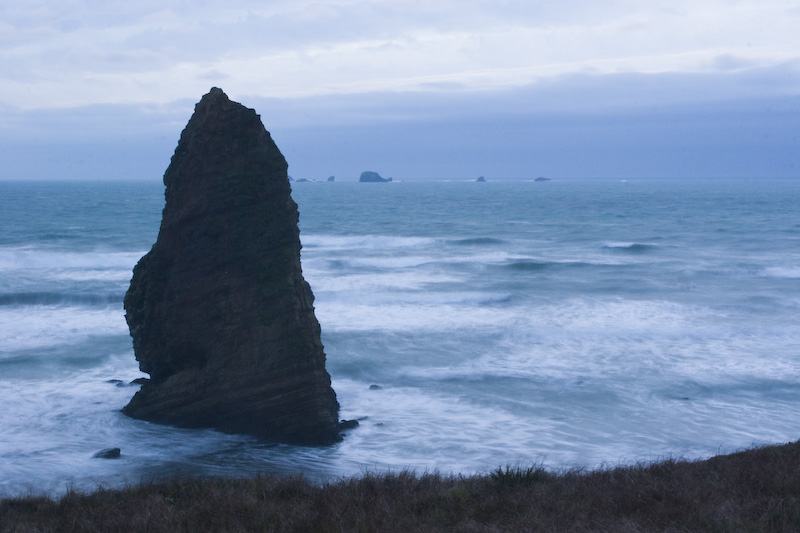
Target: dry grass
(754, 490)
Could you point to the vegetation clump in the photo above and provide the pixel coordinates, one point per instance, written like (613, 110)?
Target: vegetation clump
(753, 490)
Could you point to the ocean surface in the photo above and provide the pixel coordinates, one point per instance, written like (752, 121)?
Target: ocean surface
(572, 323)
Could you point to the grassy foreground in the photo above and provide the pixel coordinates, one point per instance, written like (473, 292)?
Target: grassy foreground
(753, 490)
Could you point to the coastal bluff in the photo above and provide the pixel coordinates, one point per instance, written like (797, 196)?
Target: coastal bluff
(220, 315)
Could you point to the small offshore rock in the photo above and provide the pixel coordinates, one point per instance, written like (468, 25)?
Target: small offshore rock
(375, 387)
(372, 177)
(115, 381)
(108, 453)
(139, 381)
(332, 178)
(348, 424)
(481, 180)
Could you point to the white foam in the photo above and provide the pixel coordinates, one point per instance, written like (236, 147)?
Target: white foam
(368, 242)
(625, 244)
(42, 326)
(52, 427)
(93, 275)
(408, 427)
(370, 283)
(614, 339)
(22, 258)
(784, 272)
(420, 316)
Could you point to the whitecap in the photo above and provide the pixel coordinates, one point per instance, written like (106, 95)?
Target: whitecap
(782, 272)
(630, 247)
(368, 242)
(26, 258)
(41, 326)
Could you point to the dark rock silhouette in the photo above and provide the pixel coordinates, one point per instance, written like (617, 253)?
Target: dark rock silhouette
(220, 315)
(349, 424)
(372, 177)
(108, 453)
(481, 180)
(540, 178)
(331, 178)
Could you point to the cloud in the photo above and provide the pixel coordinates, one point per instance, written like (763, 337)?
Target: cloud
(74, 53)
(731, 123)
(427, 88)
(729, 62)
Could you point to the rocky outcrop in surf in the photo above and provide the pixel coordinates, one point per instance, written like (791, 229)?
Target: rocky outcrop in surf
(219, 312)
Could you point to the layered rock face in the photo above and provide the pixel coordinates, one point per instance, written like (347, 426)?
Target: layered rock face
(219, 312)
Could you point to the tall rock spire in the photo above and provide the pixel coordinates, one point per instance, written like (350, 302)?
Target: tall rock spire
(219, 312)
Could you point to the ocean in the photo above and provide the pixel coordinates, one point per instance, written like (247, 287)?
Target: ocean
(575, 323)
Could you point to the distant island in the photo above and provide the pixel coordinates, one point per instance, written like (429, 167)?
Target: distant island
(540, 178)
(481, 180)
(372, 177)
(304, 180)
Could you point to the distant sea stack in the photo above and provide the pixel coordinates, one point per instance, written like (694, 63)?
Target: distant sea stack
(219, 312)
(372, 177)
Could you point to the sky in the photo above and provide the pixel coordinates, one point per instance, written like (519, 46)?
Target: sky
(412, 89)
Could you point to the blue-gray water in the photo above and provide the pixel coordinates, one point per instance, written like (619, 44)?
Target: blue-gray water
(572, 322)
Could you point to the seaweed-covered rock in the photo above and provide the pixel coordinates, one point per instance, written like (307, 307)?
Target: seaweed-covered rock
(219, 312)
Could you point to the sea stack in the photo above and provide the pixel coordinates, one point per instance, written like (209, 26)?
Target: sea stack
(219, 312)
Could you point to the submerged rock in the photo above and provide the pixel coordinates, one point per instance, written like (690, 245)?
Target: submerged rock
(219, 312)
(348, 424)
(108, 453)
(372, 177)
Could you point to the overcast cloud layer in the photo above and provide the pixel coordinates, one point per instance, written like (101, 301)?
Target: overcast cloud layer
(413, 89)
